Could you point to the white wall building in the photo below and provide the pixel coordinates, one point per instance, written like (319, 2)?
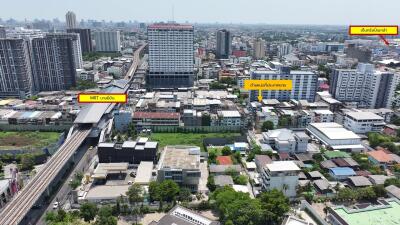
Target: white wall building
(364, 85)
(285, 140)
(363, 122)
(170, 55)
(335, 136)
(107, 41)
(281, 175)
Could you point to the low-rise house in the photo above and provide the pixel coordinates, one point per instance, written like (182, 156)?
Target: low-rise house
(183, 216)
(223, 180)
(322, 186)
(285, 140)
(393, 191)
(381, 158)
(341, 173)
(377, 179)
(363, 122)
(359, 181)
(390, 129)
(315, 175)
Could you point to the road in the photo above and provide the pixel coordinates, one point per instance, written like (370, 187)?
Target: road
(15, 211)
(64, 192)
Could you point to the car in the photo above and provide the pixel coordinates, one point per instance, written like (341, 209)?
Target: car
(130, 182)
(91, 147)
(133, 174)
(55, 205)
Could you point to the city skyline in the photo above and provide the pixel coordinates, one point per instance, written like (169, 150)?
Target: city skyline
(316, 12)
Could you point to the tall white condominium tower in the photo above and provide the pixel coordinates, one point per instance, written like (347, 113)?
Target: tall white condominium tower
(170, 56)
(70, 19)
(366, 86)
(107, 41)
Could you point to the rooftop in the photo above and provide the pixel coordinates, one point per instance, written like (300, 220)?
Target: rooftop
(364, 116)
(380, 156)
(282, 166)
(385, 214)
(334, 131)
(342, 171)
(224, 160)
(180, 157)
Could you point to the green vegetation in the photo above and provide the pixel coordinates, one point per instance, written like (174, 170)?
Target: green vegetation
(88, 211)
(27, 140)
(92, 56)
(217, 86)
(25, 161)
(365, 164)
(84, 84)
(165, 139)
(366, 193)
(267, 125)
(284, 121)
(238, 208)
(377, 139)
(61, 217)
(74, 183)
(166, 191)
(392, 181)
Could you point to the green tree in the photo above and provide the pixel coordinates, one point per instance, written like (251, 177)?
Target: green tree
(105, 216)
(168, 190)
(185, 195)
(154, 191)
(212, 156)
(226, 150)
(392, 181)
(274, 205)
(267, 125)
(88, 211)
(135, 194)
(27, 162)
(205, 119)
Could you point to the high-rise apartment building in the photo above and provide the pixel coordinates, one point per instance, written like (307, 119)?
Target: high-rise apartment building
(259, 48)
(170, 56)
(365, 85)
(85, 38)
(70, 19)
(15, 69)
(107, 41)
(284, 49)
(304, 84)
(2, 32)
(224, 44)
(53, 62)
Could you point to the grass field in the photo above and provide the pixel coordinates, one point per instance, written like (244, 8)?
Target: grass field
(26, 139)
(164, 139)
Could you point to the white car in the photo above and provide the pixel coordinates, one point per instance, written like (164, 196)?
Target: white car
(55, 205)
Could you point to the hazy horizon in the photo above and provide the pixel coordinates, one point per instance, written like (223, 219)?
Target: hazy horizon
(257, 12)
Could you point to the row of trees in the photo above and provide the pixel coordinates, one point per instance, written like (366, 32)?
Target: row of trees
(237, 208)
(168, 192)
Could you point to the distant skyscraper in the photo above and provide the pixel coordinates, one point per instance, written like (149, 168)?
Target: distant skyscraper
(170, 55)
(15, 69)
(284, 49)
(85, 37)
(2, 32)
(107, 41)
(70, 19)
(259, 48)
(53, 61)
(224, 44)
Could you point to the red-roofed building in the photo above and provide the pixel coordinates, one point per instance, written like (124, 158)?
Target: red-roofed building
(148, 119)
(224, 160)
(380, 157)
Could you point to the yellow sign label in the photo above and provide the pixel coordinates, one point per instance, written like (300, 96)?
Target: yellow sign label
(373, 30)
(102, 98)
(284, 85)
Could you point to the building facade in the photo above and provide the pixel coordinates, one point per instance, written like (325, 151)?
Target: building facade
(224, 44)
(70, 19)
(16, 78)
(107, 41)
(365, 86)
(304, 84)
(85, 36)
(259, 48)
(171, 56)
(54, 62)
(363, 122)
(281, 175)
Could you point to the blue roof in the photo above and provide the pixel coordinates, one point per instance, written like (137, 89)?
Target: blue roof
(342, 171)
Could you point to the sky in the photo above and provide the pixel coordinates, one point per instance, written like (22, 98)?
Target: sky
(329, 12)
